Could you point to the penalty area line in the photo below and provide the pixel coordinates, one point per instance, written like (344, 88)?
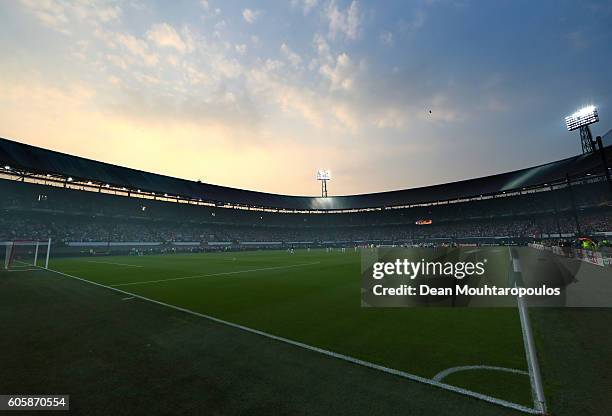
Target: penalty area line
(216, 274)
(399, 373)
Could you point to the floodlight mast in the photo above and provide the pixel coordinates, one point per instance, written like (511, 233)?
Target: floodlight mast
(323, 175)
(581, 119)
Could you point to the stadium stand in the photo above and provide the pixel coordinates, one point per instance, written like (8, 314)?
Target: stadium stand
(77, 202)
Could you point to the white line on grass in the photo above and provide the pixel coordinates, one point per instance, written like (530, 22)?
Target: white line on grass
(403, 374)
(445, 373)
(535, 377)
(216, 274)
(114, 264)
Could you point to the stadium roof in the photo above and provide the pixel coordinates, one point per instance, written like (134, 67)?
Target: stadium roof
(43, 161)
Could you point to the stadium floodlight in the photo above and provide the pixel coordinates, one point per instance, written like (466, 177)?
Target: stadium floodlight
(70, 179)
(581, 120)
(323, 175)
(7, 167)
(583, 117)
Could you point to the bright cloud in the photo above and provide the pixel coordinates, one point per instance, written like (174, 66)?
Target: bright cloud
(345, 22)
(59, 15)
(340, 74)
(306, 5)
(250, 16)
(165, 36)
(291, 56)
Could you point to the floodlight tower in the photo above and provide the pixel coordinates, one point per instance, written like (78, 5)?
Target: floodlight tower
(323, 175)
(581, 119)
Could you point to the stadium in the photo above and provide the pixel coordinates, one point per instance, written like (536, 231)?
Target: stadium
(201, 296)
(308, 207)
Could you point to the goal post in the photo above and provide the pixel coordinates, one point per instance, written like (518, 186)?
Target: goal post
(25, 254)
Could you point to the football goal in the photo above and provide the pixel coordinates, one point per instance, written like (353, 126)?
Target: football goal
(22, 255)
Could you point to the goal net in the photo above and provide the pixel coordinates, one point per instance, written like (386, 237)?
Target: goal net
(25, 254)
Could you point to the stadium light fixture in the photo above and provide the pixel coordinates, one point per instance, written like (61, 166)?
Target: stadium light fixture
(323, 175)
(581, 120)
(583, 117)
(70, 179)
(7, 167)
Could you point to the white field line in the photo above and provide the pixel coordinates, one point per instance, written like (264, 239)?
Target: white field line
(448, 387)
(216, 274)
(445, 373)
(23, 270)
(539, 401)
(114, 264)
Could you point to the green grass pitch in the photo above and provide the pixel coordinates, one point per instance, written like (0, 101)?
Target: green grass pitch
(314, 297)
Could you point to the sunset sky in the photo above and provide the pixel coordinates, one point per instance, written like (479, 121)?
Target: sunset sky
(260, 94)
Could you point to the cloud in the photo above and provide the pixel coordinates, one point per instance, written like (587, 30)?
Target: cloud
(306, 5)
(291, 56)
(322, 47)
(346, 22)
(209, 11)
(250, 16)
(391, 118)
(340, 74)
(272, 85)
(241, 48)
(137, 47)
(165, 36)
(59, 15)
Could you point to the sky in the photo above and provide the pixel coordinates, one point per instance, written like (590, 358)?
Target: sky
(260, 94)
